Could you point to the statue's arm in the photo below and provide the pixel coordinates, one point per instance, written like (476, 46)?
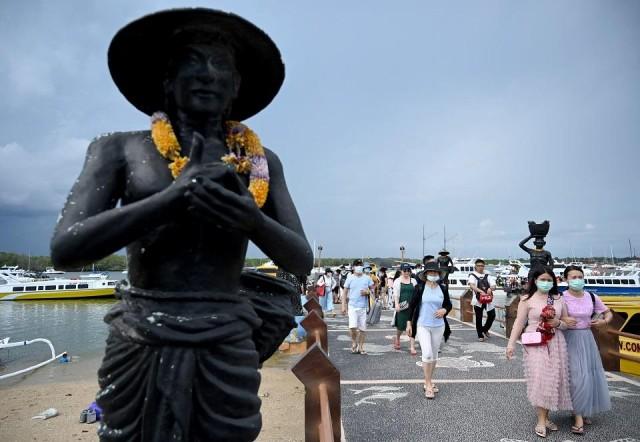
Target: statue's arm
(523, 242)
(91, 226)
(550, 259)
(280, 236)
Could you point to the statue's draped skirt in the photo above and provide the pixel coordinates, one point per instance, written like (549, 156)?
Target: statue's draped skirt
(184, 366)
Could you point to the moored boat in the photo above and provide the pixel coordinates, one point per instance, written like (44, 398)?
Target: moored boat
(19, 289)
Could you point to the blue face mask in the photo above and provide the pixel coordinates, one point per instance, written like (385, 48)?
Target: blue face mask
(576, 284)
(544, 286)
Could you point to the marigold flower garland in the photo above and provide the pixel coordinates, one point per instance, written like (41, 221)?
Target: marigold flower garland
(246, 153)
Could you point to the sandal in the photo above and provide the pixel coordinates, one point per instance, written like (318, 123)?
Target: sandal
(396, 344)
(481, 339)
(362, 351)
(551, 426)
(541, 430)
(434, 388)
(354, 350)
(413, 352)
(585, 420)
(577, 430)
(429, 394)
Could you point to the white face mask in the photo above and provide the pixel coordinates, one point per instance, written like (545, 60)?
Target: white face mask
(433, 278)
(357, 269)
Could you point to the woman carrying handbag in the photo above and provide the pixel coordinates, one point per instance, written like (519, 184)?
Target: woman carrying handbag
(546, 364)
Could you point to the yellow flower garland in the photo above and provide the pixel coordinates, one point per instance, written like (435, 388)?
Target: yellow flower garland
(246, 153)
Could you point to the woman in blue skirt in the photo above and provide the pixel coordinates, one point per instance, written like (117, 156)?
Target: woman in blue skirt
(589, 390)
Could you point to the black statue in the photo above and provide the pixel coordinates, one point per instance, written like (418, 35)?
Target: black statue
(538, 257)
(187, 337)
(445, 263)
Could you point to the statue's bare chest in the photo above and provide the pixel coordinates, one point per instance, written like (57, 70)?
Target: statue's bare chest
(147, 171)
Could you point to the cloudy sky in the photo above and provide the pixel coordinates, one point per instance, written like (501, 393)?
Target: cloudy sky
(394, 115)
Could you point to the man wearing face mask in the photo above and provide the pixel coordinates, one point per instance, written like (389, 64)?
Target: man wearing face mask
(357, 290)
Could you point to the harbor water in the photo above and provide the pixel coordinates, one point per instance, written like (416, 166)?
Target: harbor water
(75, 326)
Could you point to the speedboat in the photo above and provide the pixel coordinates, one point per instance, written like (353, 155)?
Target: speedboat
(51, 271)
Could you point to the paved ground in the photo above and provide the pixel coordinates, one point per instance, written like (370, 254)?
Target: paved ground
(482, 395)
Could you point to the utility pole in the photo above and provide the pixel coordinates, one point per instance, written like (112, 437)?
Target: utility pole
(402, 253)
(319, 256)
(630, 249)
(444, 236)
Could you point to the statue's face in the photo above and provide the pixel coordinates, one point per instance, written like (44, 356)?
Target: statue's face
(203, 80)
(539, 243)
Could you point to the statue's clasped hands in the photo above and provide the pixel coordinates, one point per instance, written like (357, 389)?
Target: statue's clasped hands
(214, 193)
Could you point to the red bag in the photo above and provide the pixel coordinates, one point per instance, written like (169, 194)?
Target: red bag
(485, 299)
(320, 291)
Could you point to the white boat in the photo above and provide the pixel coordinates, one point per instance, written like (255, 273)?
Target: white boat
(19, 289)
(94, 276)
(51, 271)
(4, 344)
(15, 272)
(626, 284)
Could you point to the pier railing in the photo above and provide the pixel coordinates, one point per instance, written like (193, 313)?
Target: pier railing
(321, 379)
(505, 315)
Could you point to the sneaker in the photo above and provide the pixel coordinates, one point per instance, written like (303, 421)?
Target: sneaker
(83, 416)
(91, 416)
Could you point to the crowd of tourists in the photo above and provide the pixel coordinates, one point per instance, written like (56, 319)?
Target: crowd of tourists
(562, 365)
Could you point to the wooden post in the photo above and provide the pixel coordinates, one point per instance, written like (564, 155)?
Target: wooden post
(312, 305)
(322, 399)
(511, 311)
(466, 311)
(316, 330)
(608, 342)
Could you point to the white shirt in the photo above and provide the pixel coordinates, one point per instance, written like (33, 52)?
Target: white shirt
(474, 282)
(396, 287)
(326, 280)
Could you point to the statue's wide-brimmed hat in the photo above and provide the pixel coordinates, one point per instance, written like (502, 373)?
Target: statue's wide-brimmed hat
(139, 52)
(443, 252)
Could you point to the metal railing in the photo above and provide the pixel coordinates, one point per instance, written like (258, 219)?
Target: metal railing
(321, 379)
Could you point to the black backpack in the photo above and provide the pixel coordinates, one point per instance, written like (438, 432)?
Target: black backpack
(343, 279)
(483, 283)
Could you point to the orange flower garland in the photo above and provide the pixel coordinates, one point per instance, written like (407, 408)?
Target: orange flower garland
(246, 153)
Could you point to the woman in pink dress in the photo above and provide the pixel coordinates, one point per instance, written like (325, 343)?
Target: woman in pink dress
(546, 364)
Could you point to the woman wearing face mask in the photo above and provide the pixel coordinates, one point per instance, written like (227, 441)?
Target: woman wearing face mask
(403, 288)
(546, 365)
(589, 390)
(429, 305)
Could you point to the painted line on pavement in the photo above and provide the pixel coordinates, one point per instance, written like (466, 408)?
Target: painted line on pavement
(617, 378)
(473, 327)
(343, 438)
(439, 381)
(612, 376)
(367, 330)
(454, 381)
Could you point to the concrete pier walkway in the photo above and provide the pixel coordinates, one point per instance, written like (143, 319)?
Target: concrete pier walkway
(482, 395)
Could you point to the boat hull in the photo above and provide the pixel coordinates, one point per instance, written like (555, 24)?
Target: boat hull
(58, 294)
